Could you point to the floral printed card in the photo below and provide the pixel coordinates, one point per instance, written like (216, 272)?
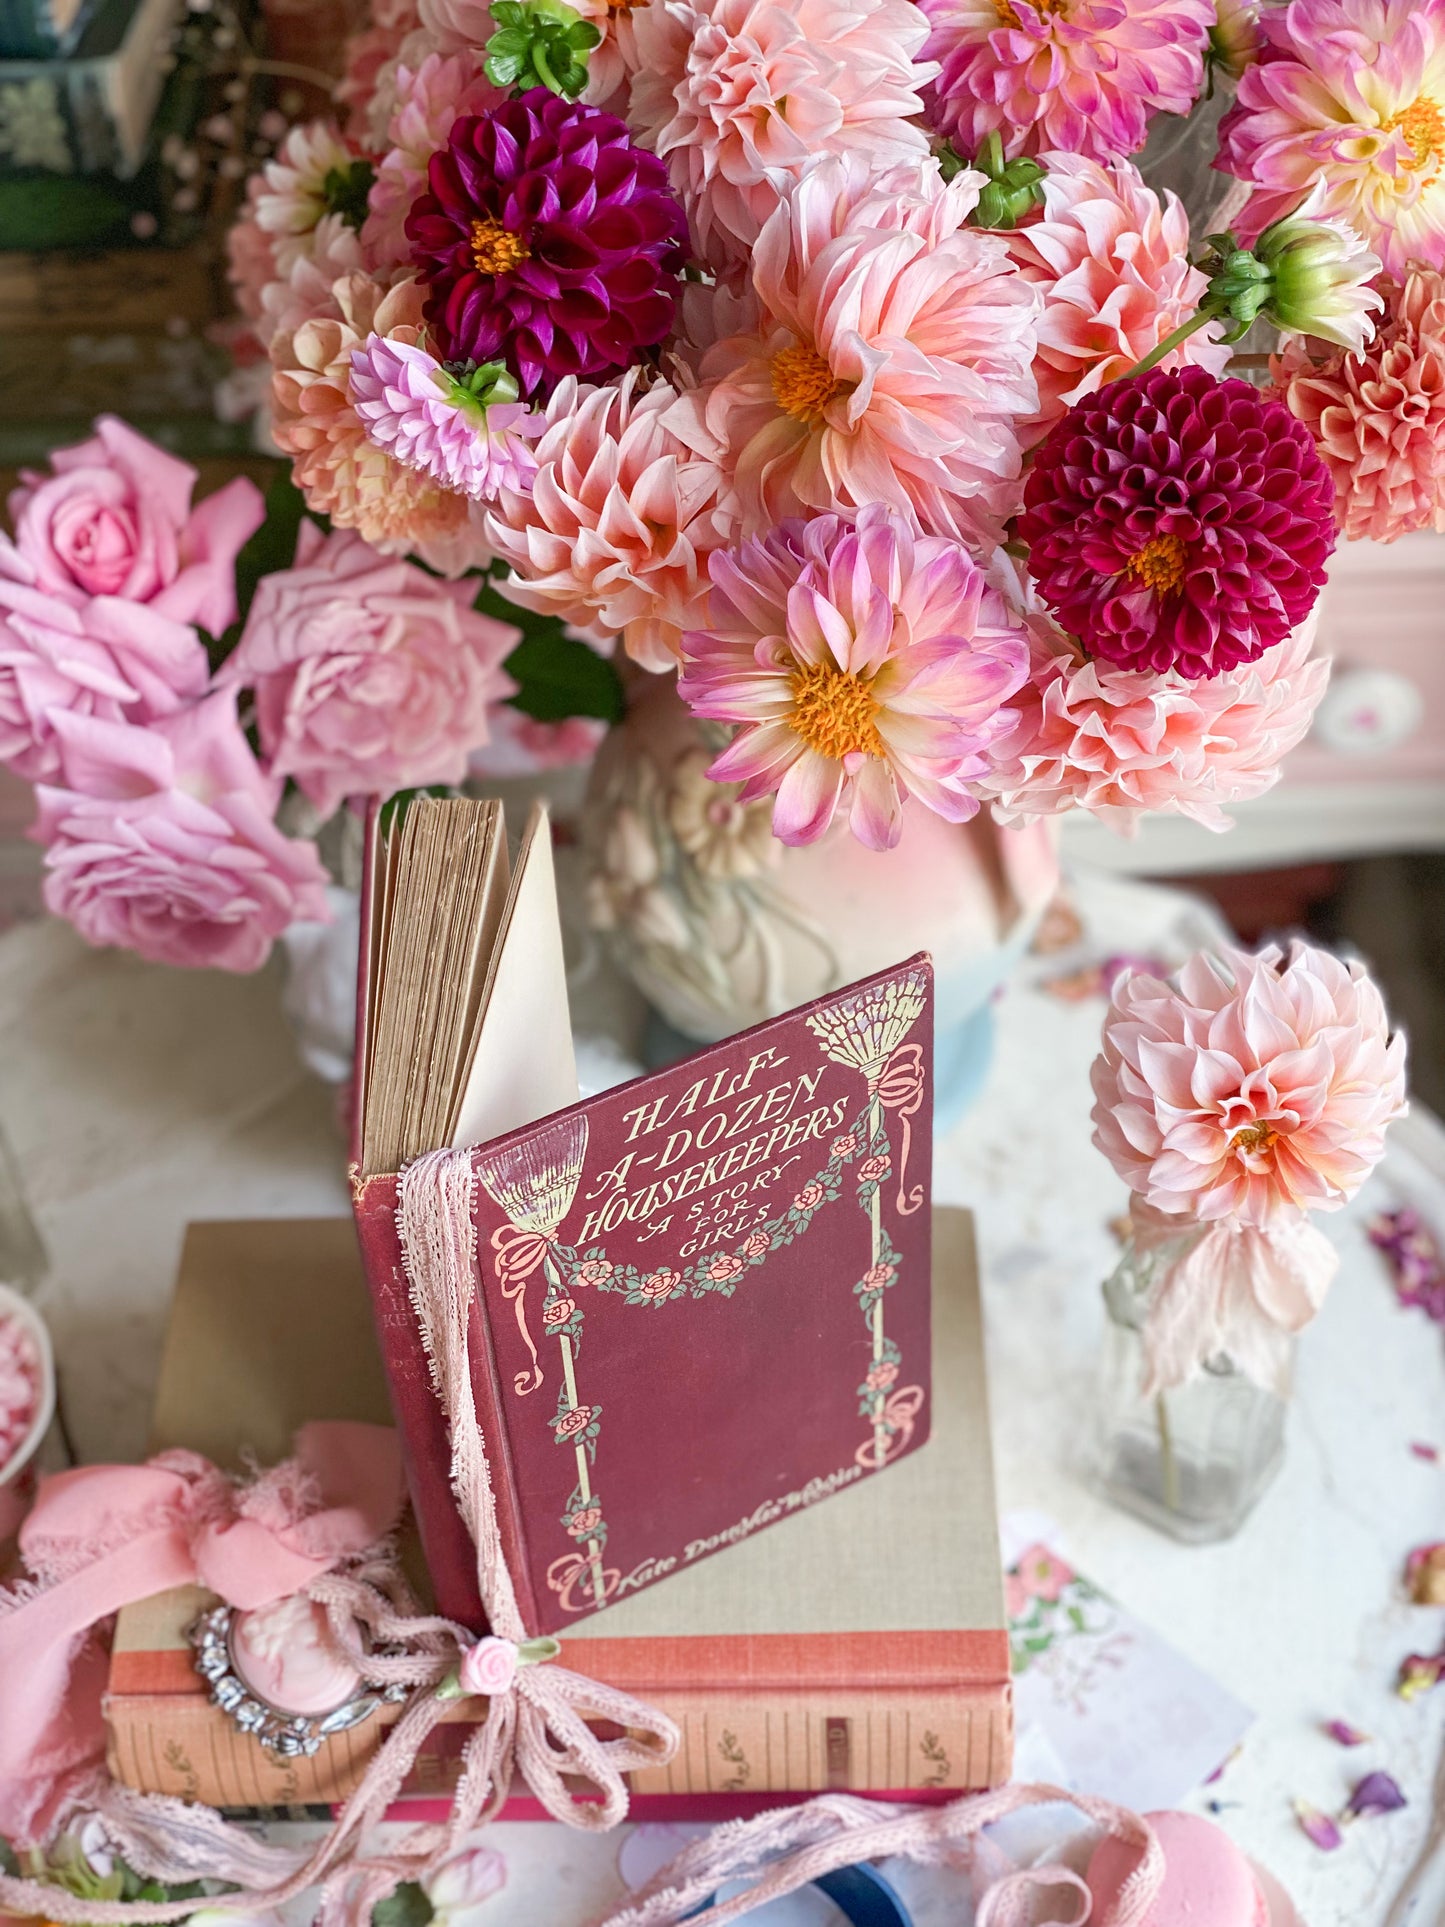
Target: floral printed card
(1103, 1704)
(703, 1303)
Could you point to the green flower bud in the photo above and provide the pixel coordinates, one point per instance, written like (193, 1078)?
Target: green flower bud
(539, 43)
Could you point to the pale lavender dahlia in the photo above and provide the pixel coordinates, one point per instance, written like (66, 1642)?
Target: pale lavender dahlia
(467, 431)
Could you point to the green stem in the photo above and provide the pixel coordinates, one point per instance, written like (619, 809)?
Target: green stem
(544, 69)
(1171, 341)
(1168, 1464)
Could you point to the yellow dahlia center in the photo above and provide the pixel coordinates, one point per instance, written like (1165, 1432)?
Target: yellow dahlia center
(803, 383)
(1423, 126)
(834, 711)
(495, 249)
(1254, 1140)
(1159, 565)
(1008, 16)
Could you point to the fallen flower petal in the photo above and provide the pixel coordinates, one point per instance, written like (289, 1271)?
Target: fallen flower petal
(1376, 1793)
(1422, 1450)
(1345, 1734)
(1425, 1574)
(1418, 1673)
(1319, 1826)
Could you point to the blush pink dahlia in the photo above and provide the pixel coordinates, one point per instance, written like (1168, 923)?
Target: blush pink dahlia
(741, 97)
(1378, 417)
(161, 840)
(548, 241)
(468, 432)
(1121, 742)
(1253, 1088)
(864, 664)
(311, 176)
(1112, 259)
(1176, 522)
(1350, 95)
(369, 675)
(893, 363)
(617, 525)
(430, 101)
(1084, 76)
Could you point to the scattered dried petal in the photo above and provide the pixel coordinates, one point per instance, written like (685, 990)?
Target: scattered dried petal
(1319, 1826)
(1345, 1734)
(1418, 1673)
(1228, 1761)
(1376, 1793)
(1425, 1574)
(1422, 1450)
(1414, 1257)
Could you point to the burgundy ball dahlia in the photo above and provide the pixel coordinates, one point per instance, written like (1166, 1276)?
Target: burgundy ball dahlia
(1178, 522)
(548, 241)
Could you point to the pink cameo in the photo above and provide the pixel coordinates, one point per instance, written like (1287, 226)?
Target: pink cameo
(810, 1196)
(567, 1425)
(660, 1285)
(557, 1313)
(872, 1168)
(490, 1666)
(596, 1271)
(723, 1267)
(284, 1653)
(756, 1245)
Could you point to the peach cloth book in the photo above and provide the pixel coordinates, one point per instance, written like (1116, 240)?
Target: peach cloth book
(859, 1644)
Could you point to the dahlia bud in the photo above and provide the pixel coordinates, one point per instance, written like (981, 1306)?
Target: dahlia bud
(1012, 190)
(1320, 273)
(539, 43)
(1234, 39)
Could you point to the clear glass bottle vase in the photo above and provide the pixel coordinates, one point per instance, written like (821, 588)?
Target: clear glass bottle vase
(1194, 1460)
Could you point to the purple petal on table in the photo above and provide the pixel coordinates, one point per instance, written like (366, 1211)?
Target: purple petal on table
(1376, 1793)
(1423, 1450)
(1319, 1826)
(1224, 1765)
(1345, 1734)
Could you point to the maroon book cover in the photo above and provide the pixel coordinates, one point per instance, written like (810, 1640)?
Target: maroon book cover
(702, 1303)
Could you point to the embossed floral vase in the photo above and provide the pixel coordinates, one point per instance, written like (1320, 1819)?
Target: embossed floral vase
(719, 925)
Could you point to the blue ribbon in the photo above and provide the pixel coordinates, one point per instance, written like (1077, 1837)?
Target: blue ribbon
(864, 1897)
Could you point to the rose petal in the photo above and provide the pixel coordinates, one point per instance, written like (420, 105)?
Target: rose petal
(1319, 1826)
(1422, 1450)
(1345, 1734)
(1376, 1793)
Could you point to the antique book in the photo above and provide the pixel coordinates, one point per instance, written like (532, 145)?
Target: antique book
(702, 1298)
(857, 1645)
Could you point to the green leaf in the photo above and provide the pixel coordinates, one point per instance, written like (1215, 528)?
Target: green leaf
(556, 675)
(503, 68)
(406, 1906)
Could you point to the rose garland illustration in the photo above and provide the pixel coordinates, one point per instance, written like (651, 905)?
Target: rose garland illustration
(535, 1184)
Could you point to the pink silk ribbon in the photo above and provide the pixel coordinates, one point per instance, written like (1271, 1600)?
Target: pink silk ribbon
(103, 1536)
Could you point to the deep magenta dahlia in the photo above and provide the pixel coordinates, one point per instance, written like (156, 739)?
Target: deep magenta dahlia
(548, 241)
(1175, 521)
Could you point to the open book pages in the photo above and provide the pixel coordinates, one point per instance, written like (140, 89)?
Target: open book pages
(464, 991)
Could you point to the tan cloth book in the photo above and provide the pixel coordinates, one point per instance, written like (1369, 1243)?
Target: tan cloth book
(859, 1644)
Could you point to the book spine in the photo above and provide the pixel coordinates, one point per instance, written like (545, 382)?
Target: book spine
(733, 1746)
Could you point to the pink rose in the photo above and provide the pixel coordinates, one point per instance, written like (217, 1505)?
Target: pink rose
(584, 1520)
(521, 746)
(115, 519)
(160, 840)
(370, 675)
(873, 1168)
(596, 1271)
(756, 1243)
(1043, 1574)
(567, 1425)
(723, 1267)
(119, 661)
(557, 1313)
(877, 1276)
(881, 1376)
(808, 1198)
(846, 1145)
(490, 1666)
(660, 1285)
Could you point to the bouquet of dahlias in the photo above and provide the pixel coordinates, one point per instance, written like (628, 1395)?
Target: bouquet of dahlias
(836, 359)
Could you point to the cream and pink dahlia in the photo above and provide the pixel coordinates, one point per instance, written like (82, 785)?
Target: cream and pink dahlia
(1123, 742)
(616, 527)
(864, 664)
(468, 432)
(1252, 1087)
(1378, 418)
(1112, 259)
(1349, 94)
(893, 363)
(1177, 522)
(342, 473)
(1084, 76)
(741, 97)
(313, 174)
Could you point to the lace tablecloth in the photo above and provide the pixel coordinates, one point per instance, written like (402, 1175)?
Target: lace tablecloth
(136, 1099)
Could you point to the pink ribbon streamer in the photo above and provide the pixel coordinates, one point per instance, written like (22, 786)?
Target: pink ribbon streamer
(101, 1537)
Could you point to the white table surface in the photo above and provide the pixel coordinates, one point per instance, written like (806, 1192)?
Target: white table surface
(136, 1099)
